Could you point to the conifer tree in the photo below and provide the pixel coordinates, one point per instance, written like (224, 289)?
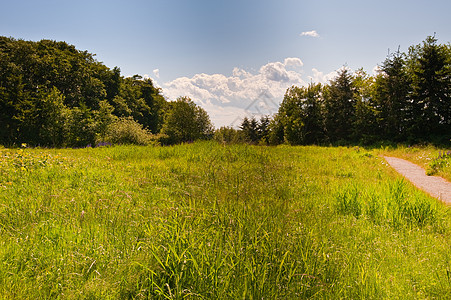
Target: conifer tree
(431, 98)
(391, 97)
(340, 101)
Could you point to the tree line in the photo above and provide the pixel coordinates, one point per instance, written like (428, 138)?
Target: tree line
(407, 101)
(52, 94)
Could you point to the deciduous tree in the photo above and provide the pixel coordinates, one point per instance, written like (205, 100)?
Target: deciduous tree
(185, 122)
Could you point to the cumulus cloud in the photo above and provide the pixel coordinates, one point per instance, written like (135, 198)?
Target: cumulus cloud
(227, 98)
(312, 33)
(320, 77)
(156, 72)
(293, 61)
(154, 81)
(237, 72)
(275, 72)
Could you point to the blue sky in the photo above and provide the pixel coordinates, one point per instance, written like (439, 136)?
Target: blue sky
(234, 58)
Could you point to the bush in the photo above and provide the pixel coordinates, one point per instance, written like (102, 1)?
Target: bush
(127, 131)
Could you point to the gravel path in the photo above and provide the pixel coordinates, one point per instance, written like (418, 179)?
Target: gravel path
(434, 185)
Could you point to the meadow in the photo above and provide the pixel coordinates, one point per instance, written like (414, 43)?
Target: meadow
(208, 221)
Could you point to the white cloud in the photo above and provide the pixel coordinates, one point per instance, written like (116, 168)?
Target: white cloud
(237, 72)
(312, 33)
(154, 81)
(320, 77)
(156, 72)
(275, 72)
(227, 98)
(293, 61)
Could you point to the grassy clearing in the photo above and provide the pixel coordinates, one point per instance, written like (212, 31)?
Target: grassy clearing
(206, 221)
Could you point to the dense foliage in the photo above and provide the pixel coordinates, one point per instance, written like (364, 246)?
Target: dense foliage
(186, 122)
(52, 94)
(409, 100)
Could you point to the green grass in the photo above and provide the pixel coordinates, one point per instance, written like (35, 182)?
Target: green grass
(205, 221)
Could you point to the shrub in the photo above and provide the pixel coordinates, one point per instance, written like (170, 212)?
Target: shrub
(127, 131)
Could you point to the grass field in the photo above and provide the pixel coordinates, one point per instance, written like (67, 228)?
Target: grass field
(206, 221)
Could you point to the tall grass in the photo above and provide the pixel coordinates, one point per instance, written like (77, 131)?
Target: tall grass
(205, 221)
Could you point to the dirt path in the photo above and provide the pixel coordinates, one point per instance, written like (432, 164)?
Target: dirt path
(434, 185)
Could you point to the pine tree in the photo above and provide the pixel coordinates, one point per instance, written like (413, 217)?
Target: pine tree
(431, 99)
(392, 91)
(249, 128)
(340, 100)
(263, 129)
